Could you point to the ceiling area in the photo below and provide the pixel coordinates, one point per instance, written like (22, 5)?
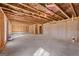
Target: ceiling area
(34, 13)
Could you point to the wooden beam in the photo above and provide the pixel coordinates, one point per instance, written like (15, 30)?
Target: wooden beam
(3, 32)
(73, 9)
(21, 21)
(27, 12)
(53, 12)
(37, 10)
(9, 10)
(9, 16)
(62, 11)
(18, 18)
(20, 13)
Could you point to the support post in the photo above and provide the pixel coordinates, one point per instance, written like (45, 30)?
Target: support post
(3, 30)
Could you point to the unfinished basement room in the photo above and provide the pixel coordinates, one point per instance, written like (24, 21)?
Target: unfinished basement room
(39, 29)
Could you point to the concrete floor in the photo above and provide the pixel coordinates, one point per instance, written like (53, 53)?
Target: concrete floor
(30, 46)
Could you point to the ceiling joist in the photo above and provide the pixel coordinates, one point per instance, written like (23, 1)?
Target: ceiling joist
(17, 14)
(28, 12)
(62, 11)
(53, 12)
(20, 13)
(73, 9)
(18, 18)
(39, 11)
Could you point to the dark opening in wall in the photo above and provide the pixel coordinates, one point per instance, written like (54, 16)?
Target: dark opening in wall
(40, 29)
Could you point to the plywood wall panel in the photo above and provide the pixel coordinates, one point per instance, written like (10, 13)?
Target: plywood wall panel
(35, 29)
(32, 29)
(19, 27)
(9, 27)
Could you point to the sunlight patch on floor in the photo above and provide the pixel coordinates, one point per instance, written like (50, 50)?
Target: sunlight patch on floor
(41, 52)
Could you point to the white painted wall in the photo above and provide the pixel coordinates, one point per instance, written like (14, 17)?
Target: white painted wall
(62, 30)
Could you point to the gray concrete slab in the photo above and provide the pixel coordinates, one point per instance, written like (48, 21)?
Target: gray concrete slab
(23, 46)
